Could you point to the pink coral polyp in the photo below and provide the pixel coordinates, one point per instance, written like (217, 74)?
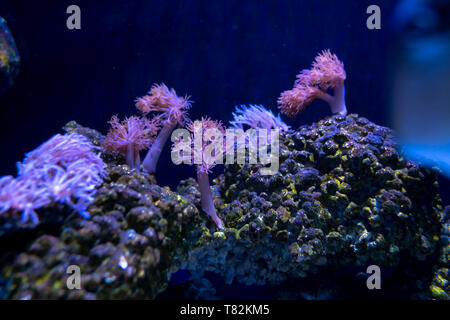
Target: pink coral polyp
(198, 128)
(327, 72)
(135, 131)
(131, 136)
(163, 100)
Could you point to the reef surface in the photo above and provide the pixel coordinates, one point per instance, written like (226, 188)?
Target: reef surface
(343, 197)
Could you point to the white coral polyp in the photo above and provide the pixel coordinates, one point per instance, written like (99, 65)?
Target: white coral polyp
(256, 116)
(64, 169)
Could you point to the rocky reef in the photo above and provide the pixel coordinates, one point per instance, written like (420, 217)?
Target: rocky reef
(343, 196)
(137, 236)
(440, 286)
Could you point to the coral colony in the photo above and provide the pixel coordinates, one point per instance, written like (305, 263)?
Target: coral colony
(130, 137)
(64, 169)
(172, 111)
(338, 194)
(327, 72)
(205, 160)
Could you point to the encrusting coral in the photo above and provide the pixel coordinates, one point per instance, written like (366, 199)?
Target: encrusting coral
(131, 136)
(327, 72)
(172, 111)
(137, 236)
(343, 196)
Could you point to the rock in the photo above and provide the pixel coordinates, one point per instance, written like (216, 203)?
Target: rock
(351, 201)
(9, 57)
(343, 198)
(137, 235)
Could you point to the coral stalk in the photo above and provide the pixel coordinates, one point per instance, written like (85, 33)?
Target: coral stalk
(172, 111)
(207, 198)
(132, 157)
(152, 157)
(207, 159)
(327, 72)
(337, 101)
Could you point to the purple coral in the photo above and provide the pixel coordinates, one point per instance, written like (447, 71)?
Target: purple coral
(204, 160)
(327, 72)
(172, 111)
(131, 136)
(22, 195)
(64, 169)
(61, 150)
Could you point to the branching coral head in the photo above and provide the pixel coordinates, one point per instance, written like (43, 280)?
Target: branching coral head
(130, 136)
(294, 101)
(171, 110)
(327, 72)
(163, 100)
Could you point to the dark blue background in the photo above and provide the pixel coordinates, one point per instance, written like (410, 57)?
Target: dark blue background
(221, 53)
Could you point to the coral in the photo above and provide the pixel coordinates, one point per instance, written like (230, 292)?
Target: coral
(203, 159)
(64, 169)
(165, 101)
(343, 197)
(136, 238)
(172, 111)
(327, 72)
(62, 150)
(131, 136)
(22, 195)
(440, 285)
(97, 139)
(257, 117)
